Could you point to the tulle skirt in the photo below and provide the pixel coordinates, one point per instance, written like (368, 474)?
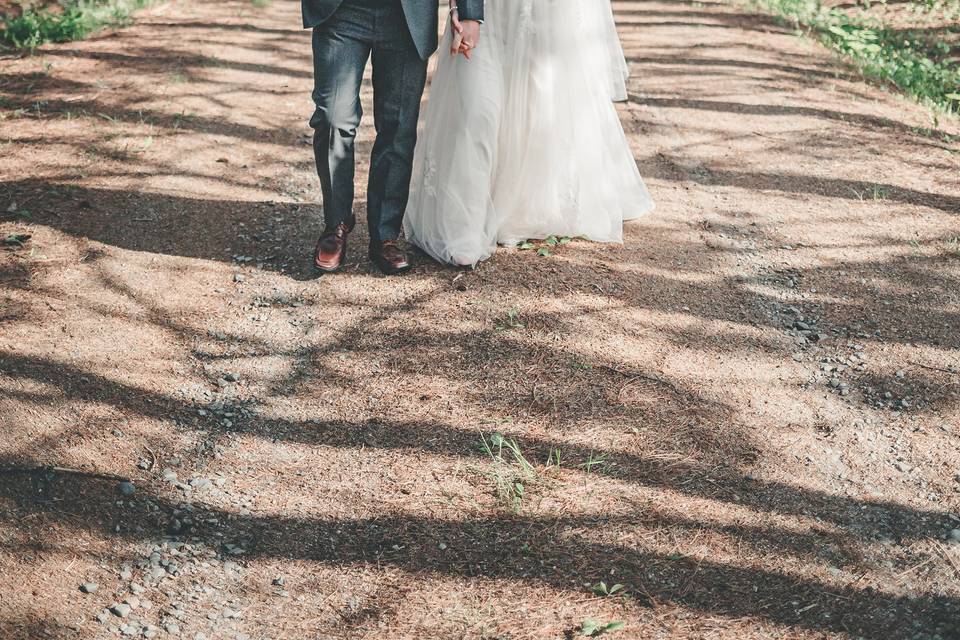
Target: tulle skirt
(523, 140)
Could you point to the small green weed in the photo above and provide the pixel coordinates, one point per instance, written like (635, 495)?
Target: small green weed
(592, 628)
(512, 321)
(601, 589)
(593, 461)
(511, 476)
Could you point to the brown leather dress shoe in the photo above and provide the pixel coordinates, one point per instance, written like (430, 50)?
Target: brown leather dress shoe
(389, 257)
(331, 251)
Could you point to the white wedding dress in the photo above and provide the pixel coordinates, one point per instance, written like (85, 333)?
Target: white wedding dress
(523, 140)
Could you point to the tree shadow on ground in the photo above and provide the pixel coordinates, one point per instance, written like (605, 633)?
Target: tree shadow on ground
(533, 550)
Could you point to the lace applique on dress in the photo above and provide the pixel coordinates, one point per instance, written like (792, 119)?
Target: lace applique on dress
(527, 25)
(430, 176)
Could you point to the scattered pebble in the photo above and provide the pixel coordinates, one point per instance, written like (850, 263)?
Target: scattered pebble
(121, 610)
(89, 587)
(126, 488)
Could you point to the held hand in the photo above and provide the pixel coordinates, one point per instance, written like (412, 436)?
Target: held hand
(457, 28)
(469, 34)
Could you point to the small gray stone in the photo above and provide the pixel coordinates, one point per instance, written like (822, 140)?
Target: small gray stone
(121, 610)
(126, 488)
(902, 466)
(89, 587)
(103, 617)
(239, 277)
(231, 377)
(136, 588)
(172, 628)
(954, 536)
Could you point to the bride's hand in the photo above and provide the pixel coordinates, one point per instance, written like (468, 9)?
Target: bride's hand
(469, 36)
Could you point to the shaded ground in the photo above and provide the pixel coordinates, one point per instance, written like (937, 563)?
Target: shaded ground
(747, 415)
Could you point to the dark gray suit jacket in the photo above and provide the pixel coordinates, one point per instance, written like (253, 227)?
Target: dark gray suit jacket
(421, 18)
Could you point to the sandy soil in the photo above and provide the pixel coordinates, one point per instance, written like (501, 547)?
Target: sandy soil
(747, 415)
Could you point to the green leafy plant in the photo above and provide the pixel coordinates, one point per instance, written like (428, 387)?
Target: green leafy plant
(593, 628)
(601, 589)
(512, 321)
(543, 248)
(916, 63)
(73, 20)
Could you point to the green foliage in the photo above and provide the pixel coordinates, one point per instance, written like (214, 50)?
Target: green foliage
(601, 589)
(919, 65)
(543, 248)
(511, 321)
(75, 20)
(509, 476)
(592, 628)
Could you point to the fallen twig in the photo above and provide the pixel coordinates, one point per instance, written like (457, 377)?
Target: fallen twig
(66, 470)
(940, 369)
(949, 558)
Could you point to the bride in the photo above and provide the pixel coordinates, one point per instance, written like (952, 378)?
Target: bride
(522, 139)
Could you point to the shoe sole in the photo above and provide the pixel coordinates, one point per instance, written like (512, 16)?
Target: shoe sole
(389, 271)
(343, 262)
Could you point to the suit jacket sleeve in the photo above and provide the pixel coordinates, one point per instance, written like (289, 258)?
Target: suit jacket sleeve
(470, 9)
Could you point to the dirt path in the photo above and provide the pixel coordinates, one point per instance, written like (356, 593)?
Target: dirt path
(747, 415)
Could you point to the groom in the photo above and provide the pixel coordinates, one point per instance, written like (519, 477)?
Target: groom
(400, 35)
